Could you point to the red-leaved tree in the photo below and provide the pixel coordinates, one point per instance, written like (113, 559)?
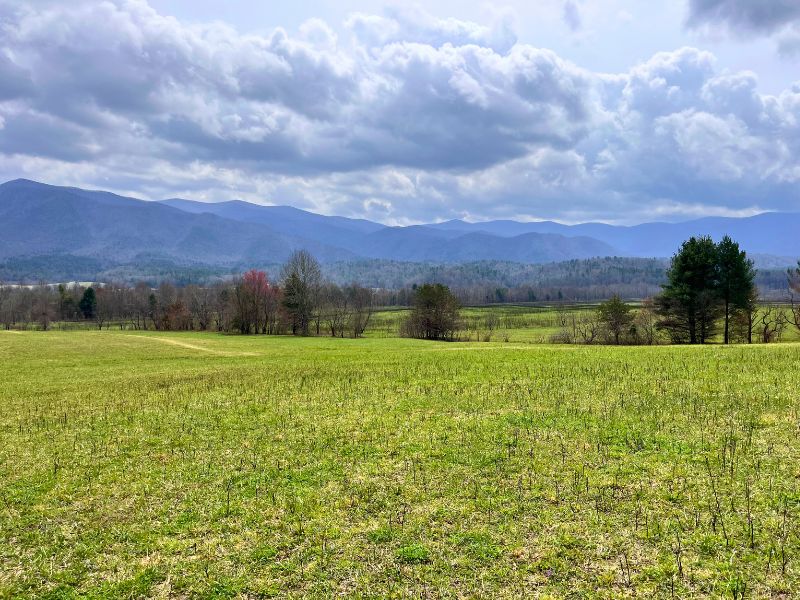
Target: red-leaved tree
(256, 303)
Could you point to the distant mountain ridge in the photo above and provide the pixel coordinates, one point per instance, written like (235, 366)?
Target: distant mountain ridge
(40, 220)
(770, 233)
(412, 243)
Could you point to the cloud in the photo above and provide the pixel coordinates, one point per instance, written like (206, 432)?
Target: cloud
(15, 81)
(668, 82)
(744, 16)
(401, 117)
(572, 15)
(412, 24)
(789, 42)
(299, 103)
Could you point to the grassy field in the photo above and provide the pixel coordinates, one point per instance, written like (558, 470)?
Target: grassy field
(516, 323)
(201, 465)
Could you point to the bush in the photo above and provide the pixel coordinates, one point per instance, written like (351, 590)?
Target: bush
(435, 314)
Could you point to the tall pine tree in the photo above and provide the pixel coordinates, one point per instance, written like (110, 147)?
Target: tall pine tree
(689, 303)
(706, 282)
(736, 281)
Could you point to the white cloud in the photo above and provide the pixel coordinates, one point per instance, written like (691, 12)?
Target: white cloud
(403, 117)
(412, 24)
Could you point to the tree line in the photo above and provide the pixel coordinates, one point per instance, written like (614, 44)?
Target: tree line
(302, 302)
(710, 290)
(475, 283)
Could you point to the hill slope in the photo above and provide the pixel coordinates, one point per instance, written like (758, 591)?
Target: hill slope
(38, 219)
(336, 231)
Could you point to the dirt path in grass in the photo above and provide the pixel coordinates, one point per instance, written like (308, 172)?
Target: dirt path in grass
(192, 346)
(11, 331)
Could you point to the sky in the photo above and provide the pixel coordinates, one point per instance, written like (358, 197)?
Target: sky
(622, 111)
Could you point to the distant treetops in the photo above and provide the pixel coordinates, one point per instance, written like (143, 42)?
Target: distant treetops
(706, 283)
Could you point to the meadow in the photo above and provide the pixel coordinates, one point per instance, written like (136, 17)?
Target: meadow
(152, 464)
(525, 323)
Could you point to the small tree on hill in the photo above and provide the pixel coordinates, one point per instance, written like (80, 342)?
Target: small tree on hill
(435, 314)
(616, 316)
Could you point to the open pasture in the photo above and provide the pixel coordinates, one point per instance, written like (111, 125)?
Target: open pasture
(201, 465)
(527, 323)
(515, 323)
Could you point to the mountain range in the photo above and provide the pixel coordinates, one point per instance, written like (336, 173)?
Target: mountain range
(40, 220)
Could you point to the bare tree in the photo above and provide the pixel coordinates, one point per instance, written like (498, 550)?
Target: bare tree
(301, 277)
(5, 306)
(745, 318)
(21, 306)
(794, 293)
(199, 300)
(588, 328)
(222, 301)
(105, 305)
(568, 326)
(491, 323)
(646, 323)
(177, 317)
(43, 309)
(334, 309)
(141, 305)
(360, 301)
(772, 322)
(253, 298)
(159, 303)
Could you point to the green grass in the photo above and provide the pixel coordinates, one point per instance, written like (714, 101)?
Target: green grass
(515, 323)
(201, 465)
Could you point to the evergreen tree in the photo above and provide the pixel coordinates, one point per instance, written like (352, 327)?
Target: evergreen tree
(88, 303)
(689, 304)
(735, 284)
(616, 316)
(436, 314)
(295, 301)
